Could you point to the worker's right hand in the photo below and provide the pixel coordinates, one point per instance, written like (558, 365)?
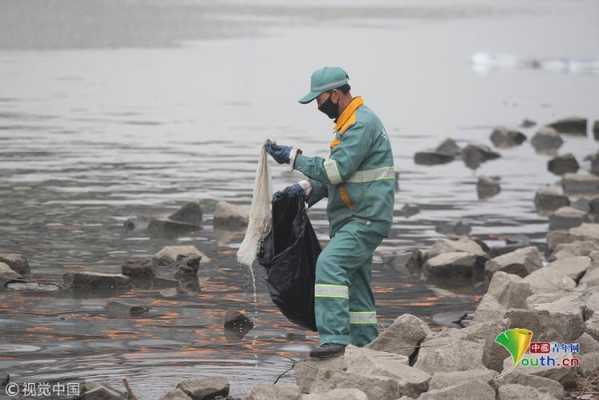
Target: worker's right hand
(295, 190)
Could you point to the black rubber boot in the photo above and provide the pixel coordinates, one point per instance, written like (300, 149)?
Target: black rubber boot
(328, 350)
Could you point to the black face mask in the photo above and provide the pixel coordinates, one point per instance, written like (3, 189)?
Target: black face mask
(329, 108)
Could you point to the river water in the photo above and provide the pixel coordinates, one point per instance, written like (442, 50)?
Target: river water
(113, 110)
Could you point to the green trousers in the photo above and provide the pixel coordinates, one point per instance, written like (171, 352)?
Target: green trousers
(344, 301)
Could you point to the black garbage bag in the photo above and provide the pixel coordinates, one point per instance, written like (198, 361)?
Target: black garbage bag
(288, 252)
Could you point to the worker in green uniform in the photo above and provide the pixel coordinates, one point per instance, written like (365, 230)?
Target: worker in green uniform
(358, 178)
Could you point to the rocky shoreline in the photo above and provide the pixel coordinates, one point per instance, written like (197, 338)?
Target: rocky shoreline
(552, 290)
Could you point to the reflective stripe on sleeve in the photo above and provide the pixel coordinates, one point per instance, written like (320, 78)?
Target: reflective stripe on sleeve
(332, 291)
(370, 175)
(330, 166)
(362, 317)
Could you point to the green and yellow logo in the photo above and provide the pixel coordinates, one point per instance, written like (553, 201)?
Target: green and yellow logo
(516, 341)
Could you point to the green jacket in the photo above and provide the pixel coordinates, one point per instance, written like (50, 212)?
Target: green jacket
(358, 177)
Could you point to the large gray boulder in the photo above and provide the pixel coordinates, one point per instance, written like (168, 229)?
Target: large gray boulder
(170, 254)
(547, 140)
(270, 392)
(16, 262)
(587, 344)
(505, 291)
(460, 245)
(204, 388)
(571, 125)
(229, 215)
(504, 138)
(580, 184)
(573, 249)
(549, 199)
(190, 213)
(565, 218)
(590, 279)
(548, 325)
(549, 279)
(543, 385)
(337, 394)
(521, 392)
(307, 370)
(520, 262)
(589, 364)
(470, 390)
(565, 376)
(442, 380)
(451, 265)
(572, 267)
(446, 354)
(592, 326)
(403, 336)
(95, 280)
(563, 164)
(173, 395)
(375, 387)
(585, 232)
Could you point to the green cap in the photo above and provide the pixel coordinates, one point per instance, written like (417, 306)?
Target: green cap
(324, 79)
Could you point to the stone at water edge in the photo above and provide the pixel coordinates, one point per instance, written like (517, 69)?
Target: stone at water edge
(230, 215)
(572, 267)
(408, 210)
(520, 262)
(375, 387)
(449, 147)
(139, 268)
(460, 245)
(95, 280)
(571, 125)
(549, 280)
(176, 395)
(169, 229)
(581, 184)
(573, 249)
(503, 137)
(458, 228)
(527, 123)
(474, 155)
(470, 390)
(596, 130)
(205, 388)
(544, 385)
(547, 140)
(17, 262)
(550, 198)
(487, 187)
(190, 213)
(432, 158)
(446, 354)
(556, 326)
(170, 254)
(505, 291)
(125, 309)
(452, 265)
(403, 336)
(563, 164)
(7, 274)
(307, 370)
(594, 159)
(565, 218)
(237, 322)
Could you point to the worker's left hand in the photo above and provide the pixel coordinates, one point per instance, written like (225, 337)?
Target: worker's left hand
(295, 190)
(281, 154)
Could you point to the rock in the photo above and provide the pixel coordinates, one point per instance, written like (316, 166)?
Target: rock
(546, 140)
(406, 261)
(595, 164)
(403, 336)
(125, 309)
(549, 199)
(187, 273)
(452, 265)
(580, 184)
(457, 228)
(549, 279)
(470, 390)
(596, 130)
(505, 291)
(129, 224)
(592, 326)
(474, 155)
(570, 304)
(95, 280)
(205, 388)
(565, 376)
(375, 387)
(563, 164)
(572, 267)
(585, 232)
(566, 217)
(7, 274)
(571, 125)
(95, 391)
(409, 210)
(487, 187)
(461, 245)
(337, 394)
(238, 323)
(432, 158)
(446, 354)
(527, 123)
(169, 254)
(16, 262)
(442, 380)
(190, 213)
(503, 137)
(230, 215)
(587, 344)
(590, 278)
(589, 364)
(520, 262)
(521, 392)
(582, 204)
(169, 229)
(576, 248)
(176, 395)
(594, 208)
(366, 362)
(307, 370)
(449, 147)
(39, 287)
(547, 325)
(543, 385)
(271, 392)
(139, 268)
